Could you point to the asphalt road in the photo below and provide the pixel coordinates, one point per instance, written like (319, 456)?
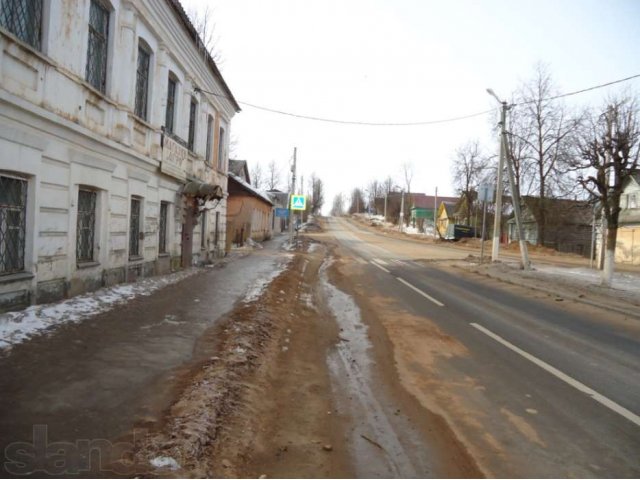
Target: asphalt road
(574, 371)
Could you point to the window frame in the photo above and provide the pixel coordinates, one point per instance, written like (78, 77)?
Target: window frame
(203, 230)
(163, 228)
(92, 229)
(141, 97)
(221, 162)
(135, 224)
(210, 134)
(102, 87)
(21, 227)
(170, 117)
(33, 38)
(193, 122)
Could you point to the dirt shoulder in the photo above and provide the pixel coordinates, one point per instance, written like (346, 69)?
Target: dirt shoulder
(260, 403)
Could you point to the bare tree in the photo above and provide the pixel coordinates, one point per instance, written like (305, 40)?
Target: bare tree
(257, 176)
(205, 27)
(273, 175)
(609, 153)
(337, 209)
(389, 185)
(317, 194)
(357, 201)
(544, 134)
(469, 166)
(407, 174)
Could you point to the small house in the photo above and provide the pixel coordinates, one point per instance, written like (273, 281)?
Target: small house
(628, 241)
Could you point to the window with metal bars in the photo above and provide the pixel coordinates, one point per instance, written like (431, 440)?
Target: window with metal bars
(13, 216)
(142, 82)
(221, 159)
(192, 124)
(209, 139)
(162, 230)
(171, 105)
(23, 18)
(203, 230)
(86, 225)
(96, 73)
(134, 228)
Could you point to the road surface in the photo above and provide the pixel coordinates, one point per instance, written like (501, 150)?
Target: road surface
(532, 386)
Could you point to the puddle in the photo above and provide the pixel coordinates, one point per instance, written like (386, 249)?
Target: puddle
(375, 442)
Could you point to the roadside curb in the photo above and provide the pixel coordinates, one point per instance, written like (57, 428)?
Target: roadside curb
(555, 292)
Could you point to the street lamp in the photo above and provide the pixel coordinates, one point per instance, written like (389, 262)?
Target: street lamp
(515, 194)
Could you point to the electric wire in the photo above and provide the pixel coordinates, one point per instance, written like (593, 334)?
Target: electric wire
(419, 123)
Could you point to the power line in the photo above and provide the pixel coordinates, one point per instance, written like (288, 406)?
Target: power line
(409, 124)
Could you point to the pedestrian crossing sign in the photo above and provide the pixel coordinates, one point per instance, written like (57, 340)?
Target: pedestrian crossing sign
(298, 202)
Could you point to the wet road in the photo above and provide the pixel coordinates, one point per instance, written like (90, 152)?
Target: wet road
(94, 379)
(553, 390)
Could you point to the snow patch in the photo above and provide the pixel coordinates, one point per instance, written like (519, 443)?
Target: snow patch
(165, 462)
(17, 327)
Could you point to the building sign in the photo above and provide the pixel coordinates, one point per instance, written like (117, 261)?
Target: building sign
(298, 202)
(282, 212)
(174, 158)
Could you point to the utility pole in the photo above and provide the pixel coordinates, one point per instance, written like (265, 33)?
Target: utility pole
(292, 192)
(515, 194)
(435, 215)
(385, 205)
(402, 211)
(495, 246)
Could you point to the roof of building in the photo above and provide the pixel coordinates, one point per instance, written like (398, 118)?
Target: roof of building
(191, 30)
(240, 169)
(420, 200)
(449, 207)
(249, 188)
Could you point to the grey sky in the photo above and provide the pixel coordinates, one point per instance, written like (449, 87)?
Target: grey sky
(404, 61)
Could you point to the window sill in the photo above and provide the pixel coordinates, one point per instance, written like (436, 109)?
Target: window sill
(136, 259)
(164, 255)
(16, 277)
(83, 265)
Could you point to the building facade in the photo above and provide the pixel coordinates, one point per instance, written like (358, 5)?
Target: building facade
(250, 212)
(114, 127)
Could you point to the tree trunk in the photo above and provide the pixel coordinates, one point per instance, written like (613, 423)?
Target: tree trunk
(609, 257)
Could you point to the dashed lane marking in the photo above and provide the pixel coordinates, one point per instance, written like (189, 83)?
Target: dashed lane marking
(380, 267)
(610, 404)
(425, 295)
(380, 261)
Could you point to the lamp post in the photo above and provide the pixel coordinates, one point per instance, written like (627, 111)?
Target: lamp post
(515, 194)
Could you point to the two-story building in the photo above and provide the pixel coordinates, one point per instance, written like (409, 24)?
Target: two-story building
(114, 127)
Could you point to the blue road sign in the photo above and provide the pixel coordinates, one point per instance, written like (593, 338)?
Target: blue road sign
(298, 202)
(282, 212)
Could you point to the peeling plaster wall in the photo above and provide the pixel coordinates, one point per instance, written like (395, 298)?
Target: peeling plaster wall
(61, 134)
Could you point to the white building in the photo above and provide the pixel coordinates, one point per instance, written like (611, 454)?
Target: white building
(114, 127)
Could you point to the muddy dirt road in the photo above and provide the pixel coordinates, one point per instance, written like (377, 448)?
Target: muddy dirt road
(347, 356)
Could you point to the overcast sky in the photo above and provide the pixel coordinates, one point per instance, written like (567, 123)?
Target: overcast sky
(404, 61)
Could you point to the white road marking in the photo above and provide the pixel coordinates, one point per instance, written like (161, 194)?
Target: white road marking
(425, 295)
(380, 267)
(380, 261)
(361, 260)
(610, 404)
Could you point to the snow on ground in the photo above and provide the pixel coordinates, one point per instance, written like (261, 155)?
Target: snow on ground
(258, 286)
(165, 462)
(16, 327)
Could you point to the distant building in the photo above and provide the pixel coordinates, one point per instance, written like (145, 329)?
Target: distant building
(569, 224)
(249, 210)
(628, 240)
(113, 155)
